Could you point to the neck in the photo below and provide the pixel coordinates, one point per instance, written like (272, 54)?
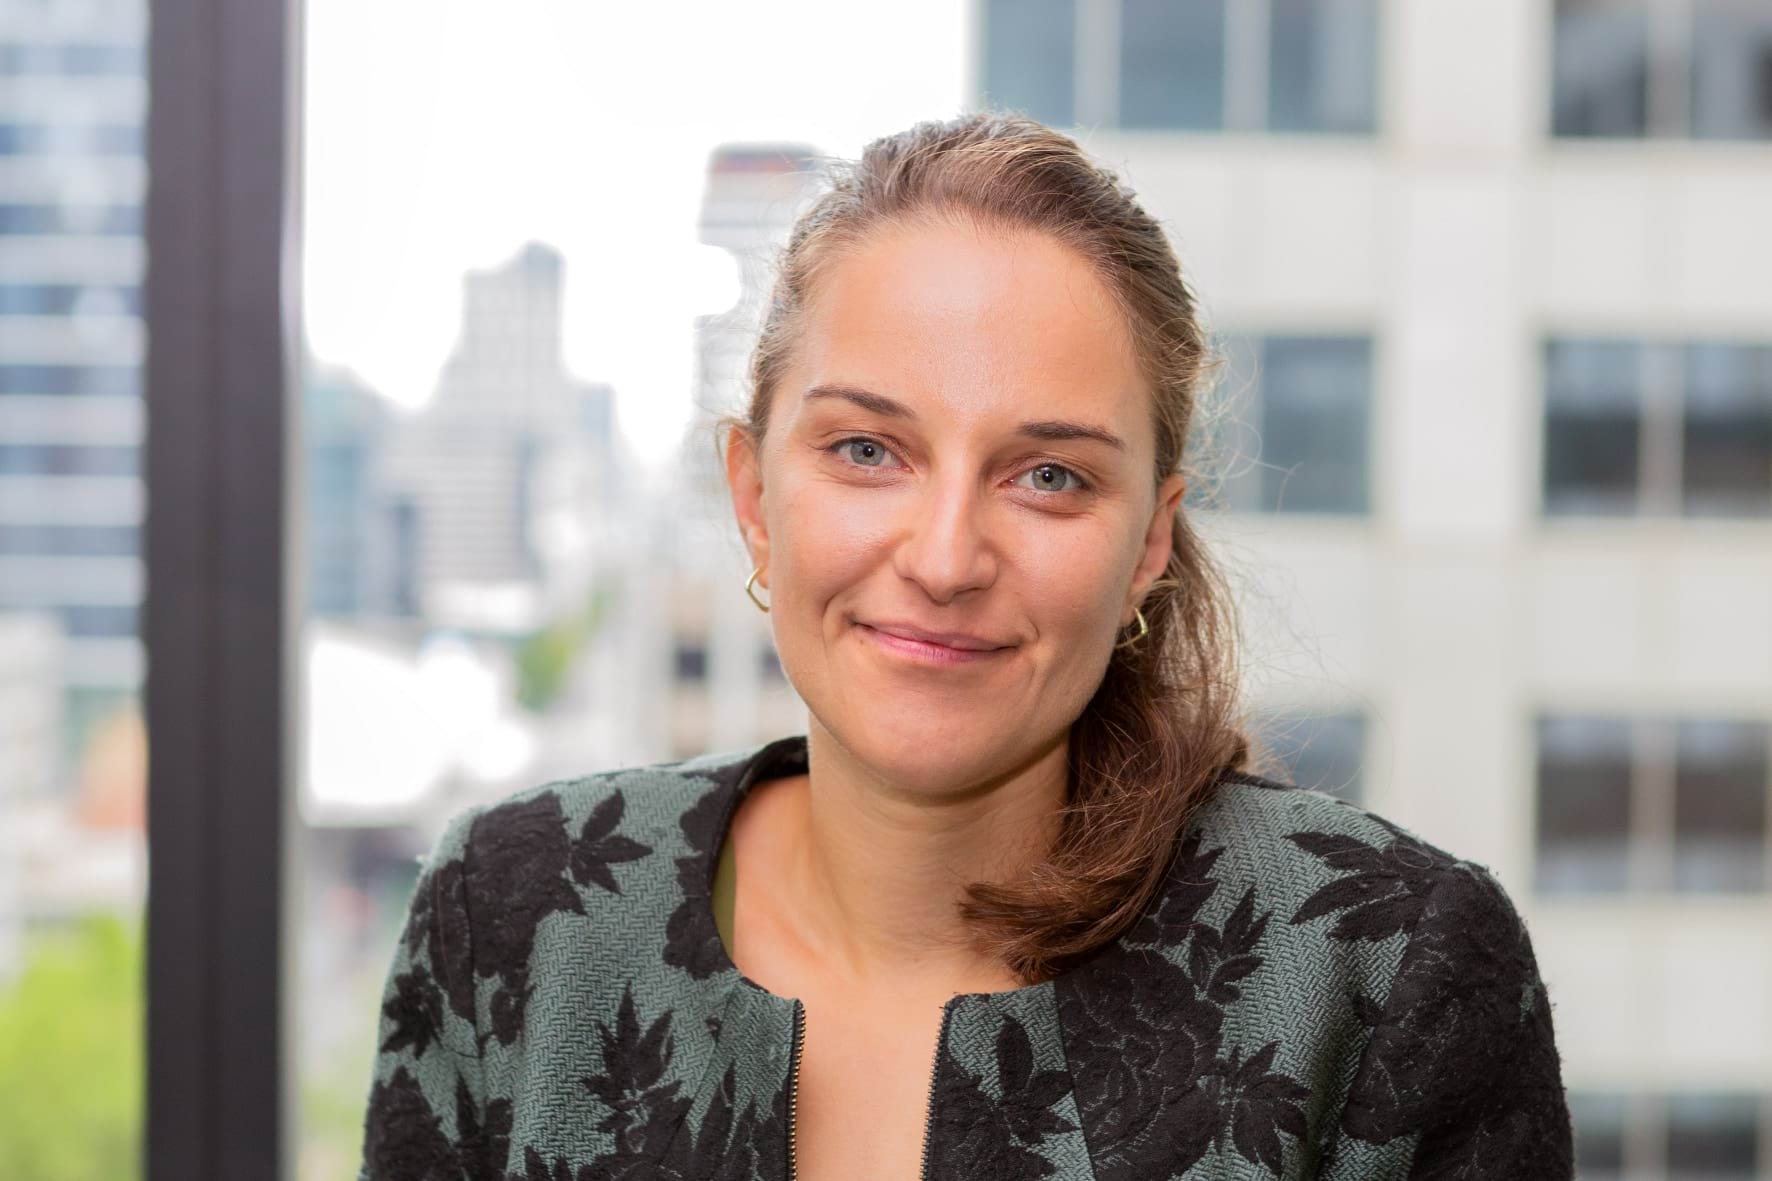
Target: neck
(879, 868)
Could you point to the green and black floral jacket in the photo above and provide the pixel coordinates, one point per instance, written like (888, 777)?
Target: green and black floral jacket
(1317, 993)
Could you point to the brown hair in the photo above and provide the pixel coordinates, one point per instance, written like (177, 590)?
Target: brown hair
(1162, 726)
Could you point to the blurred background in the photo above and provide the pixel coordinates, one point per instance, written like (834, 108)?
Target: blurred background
(1494, 481)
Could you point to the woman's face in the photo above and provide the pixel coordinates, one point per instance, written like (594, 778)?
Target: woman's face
(961, 444)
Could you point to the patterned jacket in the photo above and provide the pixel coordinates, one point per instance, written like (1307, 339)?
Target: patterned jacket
(1316, 993)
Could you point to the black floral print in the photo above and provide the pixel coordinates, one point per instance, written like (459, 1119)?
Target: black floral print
(692, 937)
(405, 1138)
(985, 1137)
(1315, 993)
(1261, 1104)
(599, 846)
(1462, 1053)
(645, 1111)
(525, 870)
(416, 1009)
(1149, 1024)
(483, 1138)
(1386, 890)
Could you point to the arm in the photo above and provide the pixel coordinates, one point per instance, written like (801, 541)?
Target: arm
(1462, 1061)
(426, 1118)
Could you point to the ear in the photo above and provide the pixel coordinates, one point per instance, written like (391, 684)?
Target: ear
(744, 477)
(1159, 541)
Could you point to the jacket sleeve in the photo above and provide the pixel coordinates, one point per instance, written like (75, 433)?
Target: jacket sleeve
(426, 1118)
(1460, 1077)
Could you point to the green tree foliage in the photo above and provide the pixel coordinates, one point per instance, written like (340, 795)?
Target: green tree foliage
(71, 1056)
(544, 658)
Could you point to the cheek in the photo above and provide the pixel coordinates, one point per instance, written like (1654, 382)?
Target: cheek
(820, 541)
(1073, 581)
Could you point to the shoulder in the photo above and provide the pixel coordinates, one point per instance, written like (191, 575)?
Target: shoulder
(1341, 869)
(670, 807)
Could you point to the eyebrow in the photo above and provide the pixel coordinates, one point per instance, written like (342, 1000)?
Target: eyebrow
(1048, 429)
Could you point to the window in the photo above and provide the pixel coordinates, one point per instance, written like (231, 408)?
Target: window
(1172, 63)
(1600, 68)
(692, 660)
(1634, 428)
(1714, 1135)
(1322, 66)
(1584, 804)
(1731, 69)
(1726, 445)
(1030, 57)
(1652, 804)
(1593, 427)
(1293, 434)
(1720, 806)
(1664, 68)
(1320, 751)
(1187, 65)
(1599, 1122)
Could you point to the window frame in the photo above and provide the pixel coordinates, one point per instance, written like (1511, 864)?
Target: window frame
(221, 313)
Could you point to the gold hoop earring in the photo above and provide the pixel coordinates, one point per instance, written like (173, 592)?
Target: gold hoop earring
(761, 605)
(1144, 629)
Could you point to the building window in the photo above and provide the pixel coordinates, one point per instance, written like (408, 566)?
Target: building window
(1663, 68)
(1172, 64)
(1600, 68)
(1652, 804)
(1323, 752)
(1584, 804)
(1030, 57)
(1726, 431)
(1322, 66)
(691, 660)
(1599, 1121)
(1720, 806)
(1292, 434)
(1657, 429)
(1731, 84)
(37, 540)
(1186, 65)
(1713, 1135)
(1683, 1134)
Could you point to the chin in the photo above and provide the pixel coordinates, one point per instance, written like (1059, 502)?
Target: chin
(929, 751)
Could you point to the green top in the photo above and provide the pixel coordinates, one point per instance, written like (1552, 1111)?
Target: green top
(1313, 993)
(725, 892)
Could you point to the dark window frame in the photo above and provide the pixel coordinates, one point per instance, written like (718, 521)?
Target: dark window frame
(222, 132)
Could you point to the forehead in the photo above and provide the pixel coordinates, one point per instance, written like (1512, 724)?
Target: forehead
(973, 323)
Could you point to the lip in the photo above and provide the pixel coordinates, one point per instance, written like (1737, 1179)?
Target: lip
(931, 647)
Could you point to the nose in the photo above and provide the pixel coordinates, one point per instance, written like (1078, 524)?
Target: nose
(947, 547)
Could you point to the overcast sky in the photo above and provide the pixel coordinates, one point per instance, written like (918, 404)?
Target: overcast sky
(442, 134)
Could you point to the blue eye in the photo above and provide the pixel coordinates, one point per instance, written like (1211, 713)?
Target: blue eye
(862, 440)
(1076, 482)
(877, 451)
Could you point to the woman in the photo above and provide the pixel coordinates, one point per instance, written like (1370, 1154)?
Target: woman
(1015, 905)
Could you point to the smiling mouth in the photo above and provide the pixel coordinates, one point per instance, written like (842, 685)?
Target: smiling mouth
(926, 651)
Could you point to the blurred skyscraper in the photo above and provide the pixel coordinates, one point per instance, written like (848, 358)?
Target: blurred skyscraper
(72, 105)
(361, 539)
(500, 470)
(718, 684)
